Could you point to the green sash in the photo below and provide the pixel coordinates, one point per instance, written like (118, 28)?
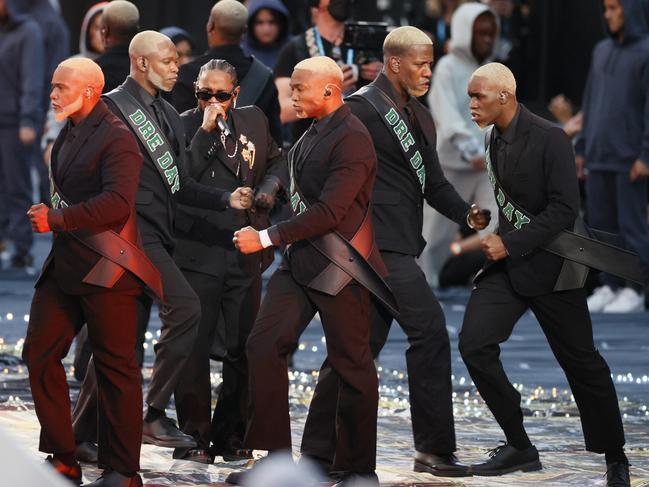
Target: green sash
(579, 247)
(398, 125)
(151, 137)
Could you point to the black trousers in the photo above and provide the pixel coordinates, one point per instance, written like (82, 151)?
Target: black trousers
(286, 310)
(180, 314)
(493, 310)
(234, 294)
(55, 319)
(428, 360)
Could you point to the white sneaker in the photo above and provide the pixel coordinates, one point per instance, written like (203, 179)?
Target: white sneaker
(601, 297)
(627, 301)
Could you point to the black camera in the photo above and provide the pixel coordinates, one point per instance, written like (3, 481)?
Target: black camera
(366, 40)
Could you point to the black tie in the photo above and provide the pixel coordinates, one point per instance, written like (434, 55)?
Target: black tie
(414, 124)
(162, 120)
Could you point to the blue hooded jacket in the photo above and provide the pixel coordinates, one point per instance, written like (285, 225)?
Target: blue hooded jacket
(56, 38)
(267, 54)
(616, 101)
(22, 69)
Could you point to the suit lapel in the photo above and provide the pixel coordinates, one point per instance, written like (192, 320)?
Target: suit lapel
(519, 144)
(54, 160)
(89, 127)
(338, 117)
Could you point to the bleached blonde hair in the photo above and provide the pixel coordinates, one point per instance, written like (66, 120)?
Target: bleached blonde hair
(401, 39)
(498, 74)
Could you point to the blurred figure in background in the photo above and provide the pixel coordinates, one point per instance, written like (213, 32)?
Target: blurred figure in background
(434, 17)
(22, 63)
(268, 22)
(615, 145)
(183, 42)
(91, 43)
(120, 22)
(460, 142)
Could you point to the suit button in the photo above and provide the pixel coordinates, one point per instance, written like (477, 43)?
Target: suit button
(351, 259)
(581, 249)
(121, 251)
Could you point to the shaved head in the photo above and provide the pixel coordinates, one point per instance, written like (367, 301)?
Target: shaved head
(230, 19)
(323, 67)
(316, 87)
(402, 39)
(148, 42)
(87, 72)
(76, 88)
(499, 75)
(121, 18)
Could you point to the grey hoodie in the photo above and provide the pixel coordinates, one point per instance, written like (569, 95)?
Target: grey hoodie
(22, 69)
(457, 134)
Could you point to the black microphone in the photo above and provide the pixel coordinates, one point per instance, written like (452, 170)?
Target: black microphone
(223, 126)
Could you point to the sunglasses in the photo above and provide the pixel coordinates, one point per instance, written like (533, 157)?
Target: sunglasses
(205, 95)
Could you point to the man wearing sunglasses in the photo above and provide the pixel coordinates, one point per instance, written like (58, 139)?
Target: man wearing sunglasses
(227, 282)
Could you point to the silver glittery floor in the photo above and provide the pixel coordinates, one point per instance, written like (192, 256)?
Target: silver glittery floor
(552, 419)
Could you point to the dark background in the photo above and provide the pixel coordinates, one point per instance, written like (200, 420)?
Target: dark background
(553, 57)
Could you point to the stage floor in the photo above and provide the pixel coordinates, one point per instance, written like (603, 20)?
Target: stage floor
(552, 419)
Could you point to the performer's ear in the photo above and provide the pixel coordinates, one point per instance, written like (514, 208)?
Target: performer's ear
(141, 63)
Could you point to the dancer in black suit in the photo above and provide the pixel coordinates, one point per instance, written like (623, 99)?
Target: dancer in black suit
(408, 176)
(532, 168)
(164, 182)
(94, 187)
(333, 168)
(226, 281)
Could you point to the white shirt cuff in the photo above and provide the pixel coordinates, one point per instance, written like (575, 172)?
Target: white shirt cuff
(264, 238)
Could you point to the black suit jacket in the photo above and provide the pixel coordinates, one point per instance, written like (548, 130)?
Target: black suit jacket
(397, 199)
(99, 178)
(155, 204)
(116, 65)
(183, 97)
(540, 176)
(336, 173)
(203, 235)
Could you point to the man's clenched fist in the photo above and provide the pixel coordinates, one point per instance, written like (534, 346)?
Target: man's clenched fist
(241, 198)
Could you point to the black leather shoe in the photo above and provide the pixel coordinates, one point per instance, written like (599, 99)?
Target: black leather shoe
(353, 479)
(116, 479)
(231, 450)
(617, 475)
(506, 459)
(198, 455)
(164, 432)
(70, 472)
(86, 452)
(440, 465)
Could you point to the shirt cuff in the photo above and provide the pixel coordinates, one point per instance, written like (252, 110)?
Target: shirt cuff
(265, 240)
(56, 220)
(225, 198)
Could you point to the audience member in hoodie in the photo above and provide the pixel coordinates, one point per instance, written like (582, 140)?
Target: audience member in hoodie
(460, 142)
(615, 146)
(183, 42)
(56, 39)
(22, 68)
(268, 22)
(120, 23)
(91, 44)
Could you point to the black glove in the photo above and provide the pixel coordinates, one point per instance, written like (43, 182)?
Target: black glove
(265, 193)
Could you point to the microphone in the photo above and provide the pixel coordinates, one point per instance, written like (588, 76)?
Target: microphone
(223, 126)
